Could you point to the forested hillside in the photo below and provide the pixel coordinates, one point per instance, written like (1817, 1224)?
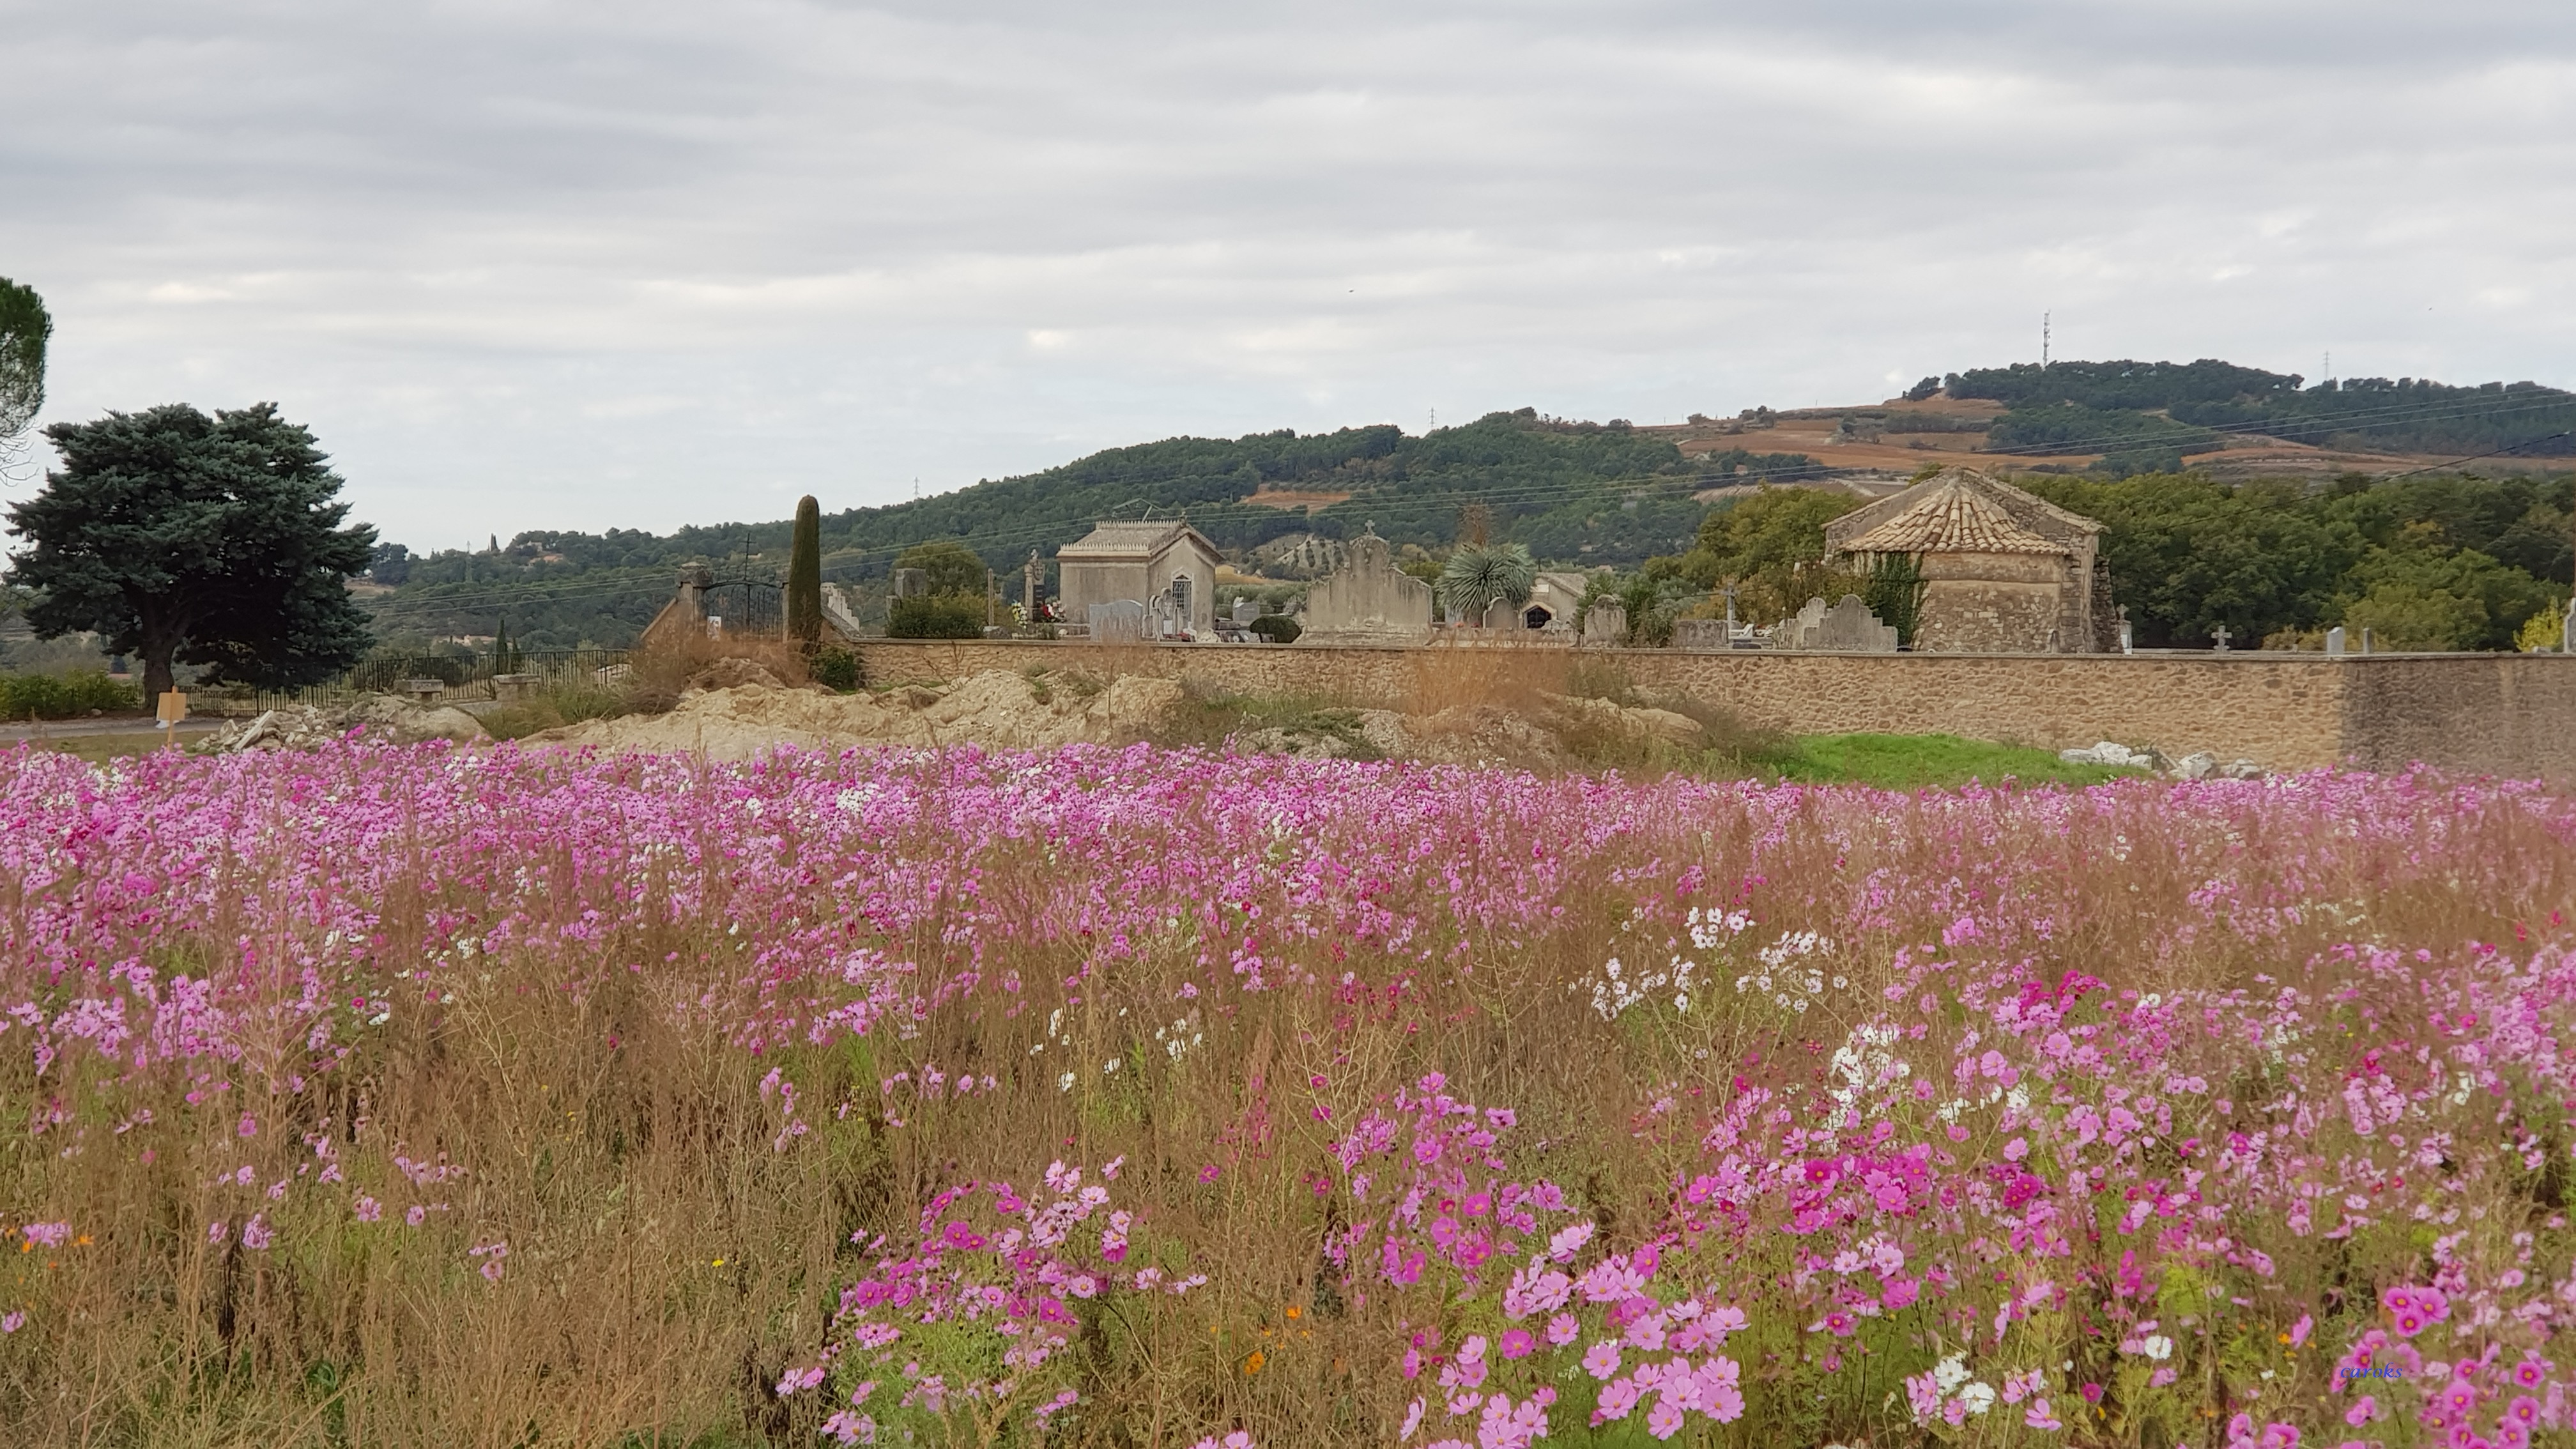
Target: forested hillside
(1573, 492)
(2110, 402)
(2260, 557)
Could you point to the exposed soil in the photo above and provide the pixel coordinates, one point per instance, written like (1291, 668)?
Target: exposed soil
(1011, 711)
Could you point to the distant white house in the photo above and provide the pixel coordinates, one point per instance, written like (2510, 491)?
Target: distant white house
(1166, 566)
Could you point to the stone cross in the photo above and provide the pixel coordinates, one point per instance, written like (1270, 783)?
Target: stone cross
(2220, 634)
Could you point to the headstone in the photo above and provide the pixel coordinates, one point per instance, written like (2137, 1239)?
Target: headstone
(1605, 625)
(2220, 635)
(1851, 626)
(2334, 641)
(1704, 635)
(1246, 610)
(1799, 631)
(2365, 639)
(1120, 621)
(1847, 625)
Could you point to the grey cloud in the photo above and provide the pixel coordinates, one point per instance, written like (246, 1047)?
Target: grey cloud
(576, 265)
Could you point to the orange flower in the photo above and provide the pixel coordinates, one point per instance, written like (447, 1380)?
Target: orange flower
(1295, 1312)
(1253, 1364)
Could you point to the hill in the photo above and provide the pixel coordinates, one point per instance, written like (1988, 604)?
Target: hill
(1577, 493)
(1580, 492)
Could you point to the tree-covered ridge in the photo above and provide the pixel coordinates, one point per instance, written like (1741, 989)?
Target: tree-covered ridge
(1569, 491)
(2407, 415)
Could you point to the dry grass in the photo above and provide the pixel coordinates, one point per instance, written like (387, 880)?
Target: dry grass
(668, 1261)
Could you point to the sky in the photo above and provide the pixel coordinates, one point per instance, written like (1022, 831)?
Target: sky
(529, 265)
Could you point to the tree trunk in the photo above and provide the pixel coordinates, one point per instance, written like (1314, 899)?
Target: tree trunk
(160, 643)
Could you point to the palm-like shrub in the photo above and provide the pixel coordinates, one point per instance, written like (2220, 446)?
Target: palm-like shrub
(1478, 574)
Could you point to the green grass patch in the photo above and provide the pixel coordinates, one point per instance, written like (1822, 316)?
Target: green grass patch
(1909, 762)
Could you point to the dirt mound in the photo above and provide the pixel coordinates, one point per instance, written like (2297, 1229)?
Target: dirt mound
(995, 708)
(734, 673)
(381, 716)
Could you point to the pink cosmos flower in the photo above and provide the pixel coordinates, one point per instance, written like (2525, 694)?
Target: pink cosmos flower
(1563, 1329)
(255, 1233)
(2364, 1409)
(13, 1320)
(417, 1215)
(2037, 1416)
(1517, 1343)
(1602, 1359)
(1665, 1419)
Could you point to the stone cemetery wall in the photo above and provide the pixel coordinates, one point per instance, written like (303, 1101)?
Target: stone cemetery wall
(2508, 714)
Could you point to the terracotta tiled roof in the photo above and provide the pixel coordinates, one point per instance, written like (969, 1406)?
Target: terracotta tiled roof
(1949, 515)
(1129, 539)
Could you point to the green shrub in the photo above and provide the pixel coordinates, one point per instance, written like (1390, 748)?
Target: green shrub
(1277, 628)
(836, 668)
(954, 616)
(62, 696)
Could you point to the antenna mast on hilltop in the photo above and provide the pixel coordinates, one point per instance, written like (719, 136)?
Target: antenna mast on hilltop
(2043, 340)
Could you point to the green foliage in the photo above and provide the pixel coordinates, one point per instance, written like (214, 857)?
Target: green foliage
(64, 696)
(1478, 574)
(1277, 628)
(2405, 415)
(2544, 632)
(952, 567)
(2188, 555)
(835, 668)
(1743, 465)
(2074, 428)
(2121, 385)
(1767, 544)
(24, 327)
(1924, 389)
(1895, 594)
(505, 655)
(193, 539)
(805, 573)
(939, 616)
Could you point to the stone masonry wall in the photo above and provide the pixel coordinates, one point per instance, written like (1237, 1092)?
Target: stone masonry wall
(2507, 714)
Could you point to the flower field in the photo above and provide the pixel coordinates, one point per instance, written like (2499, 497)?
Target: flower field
(520, 1098)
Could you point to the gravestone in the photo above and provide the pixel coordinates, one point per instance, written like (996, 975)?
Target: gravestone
(1368, 599)
(1848, 626)
(1605, 625)
(1120, 621)
(1703, 635)
(2334, 641)
(1246, 610)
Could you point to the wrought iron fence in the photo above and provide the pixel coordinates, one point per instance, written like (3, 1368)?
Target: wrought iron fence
(429, 678)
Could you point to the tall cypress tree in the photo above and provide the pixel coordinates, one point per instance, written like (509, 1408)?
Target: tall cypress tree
(805, 575)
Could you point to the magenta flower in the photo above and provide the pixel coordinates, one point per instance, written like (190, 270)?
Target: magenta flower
(1517, 1343)
(1602, 1359)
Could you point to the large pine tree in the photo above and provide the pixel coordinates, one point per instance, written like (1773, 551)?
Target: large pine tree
(184, 538)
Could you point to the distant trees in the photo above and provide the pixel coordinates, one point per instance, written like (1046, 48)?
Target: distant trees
(2416, 560)
(24, 327)
(952, 567)
(192, 539)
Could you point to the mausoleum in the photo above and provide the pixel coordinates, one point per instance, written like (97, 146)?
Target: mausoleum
(2004, 571)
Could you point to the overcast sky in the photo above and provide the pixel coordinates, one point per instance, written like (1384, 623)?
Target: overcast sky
(524, 264)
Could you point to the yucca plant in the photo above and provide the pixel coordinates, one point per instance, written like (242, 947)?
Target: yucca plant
(1478, 574)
